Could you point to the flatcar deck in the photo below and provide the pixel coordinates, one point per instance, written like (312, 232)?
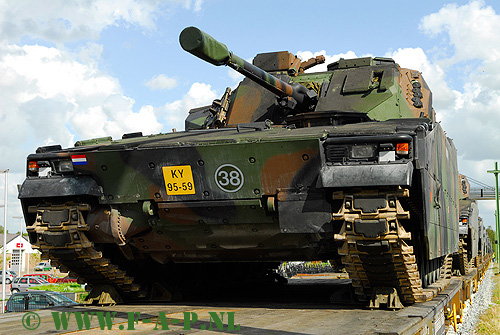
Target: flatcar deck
(302, 307)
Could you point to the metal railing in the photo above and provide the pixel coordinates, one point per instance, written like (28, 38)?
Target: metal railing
(482, 193)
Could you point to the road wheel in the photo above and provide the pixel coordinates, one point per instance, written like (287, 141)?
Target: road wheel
(8, 281)
(14, 290)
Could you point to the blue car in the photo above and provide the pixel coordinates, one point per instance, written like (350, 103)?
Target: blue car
(23, 301)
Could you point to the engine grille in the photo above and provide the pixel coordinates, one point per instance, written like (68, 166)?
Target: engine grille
(336, 153)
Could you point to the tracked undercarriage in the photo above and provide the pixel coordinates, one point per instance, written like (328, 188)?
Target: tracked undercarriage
(377, 250)
(61, 232)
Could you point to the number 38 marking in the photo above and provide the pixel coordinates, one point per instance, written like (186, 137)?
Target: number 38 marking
(229, 178)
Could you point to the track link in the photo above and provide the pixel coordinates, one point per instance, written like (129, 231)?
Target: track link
(380, 258)
(60, 236)
(463, 258)
(479, 259)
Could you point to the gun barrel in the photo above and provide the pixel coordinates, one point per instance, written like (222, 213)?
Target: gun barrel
(204, 46)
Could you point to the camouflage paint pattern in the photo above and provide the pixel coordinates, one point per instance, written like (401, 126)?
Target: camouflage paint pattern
(441, 192)
(255, 190)
(469, 225)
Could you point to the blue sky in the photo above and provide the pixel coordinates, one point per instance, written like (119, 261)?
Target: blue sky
(72, 70)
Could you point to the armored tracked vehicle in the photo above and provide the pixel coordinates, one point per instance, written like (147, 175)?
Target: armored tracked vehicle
(474, 243)
(468, 228)
(347, 165)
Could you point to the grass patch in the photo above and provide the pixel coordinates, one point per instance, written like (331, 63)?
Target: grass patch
(65, 287)
(489, 322)
(80, 297)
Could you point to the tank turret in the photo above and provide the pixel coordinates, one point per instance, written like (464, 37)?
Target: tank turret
(350, 91)
(294, 96)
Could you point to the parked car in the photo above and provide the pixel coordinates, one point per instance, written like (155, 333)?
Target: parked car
(22, 284)
(47, 277)
(43, 266)
(36, 300)
(14, 274)
(9, 278)
(52, 279)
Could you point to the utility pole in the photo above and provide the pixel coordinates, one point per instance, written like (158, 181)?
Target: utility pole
(4, 269)
(497, 221)
(20, 243)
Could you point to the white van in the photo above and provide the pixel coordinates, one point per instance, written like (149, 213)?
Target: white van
(43, 266)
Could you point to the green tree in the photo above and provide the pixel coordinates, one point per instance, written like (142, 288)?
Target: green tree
(491, 235)
(1, 261)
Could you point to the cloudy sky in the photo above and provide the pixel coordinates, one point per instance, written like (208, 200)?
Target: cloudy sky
(72, 70)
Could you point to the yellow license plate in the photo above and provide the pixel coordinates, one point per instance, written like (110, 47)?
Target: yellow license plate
(178, 180)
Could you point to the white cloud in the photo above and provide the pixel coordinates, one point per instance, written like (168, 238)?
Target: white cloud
(59, 21)
(161, 82)
(49, 97)
(472, 30)
(115, 118)
(174, 113)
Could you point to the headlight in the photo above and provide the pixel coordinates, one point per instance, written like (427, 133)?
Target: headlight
(64, 166)
(362, 151)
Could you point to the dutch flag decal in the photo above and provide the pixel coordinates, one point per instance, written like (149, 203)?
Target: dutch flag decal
(79, 159)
